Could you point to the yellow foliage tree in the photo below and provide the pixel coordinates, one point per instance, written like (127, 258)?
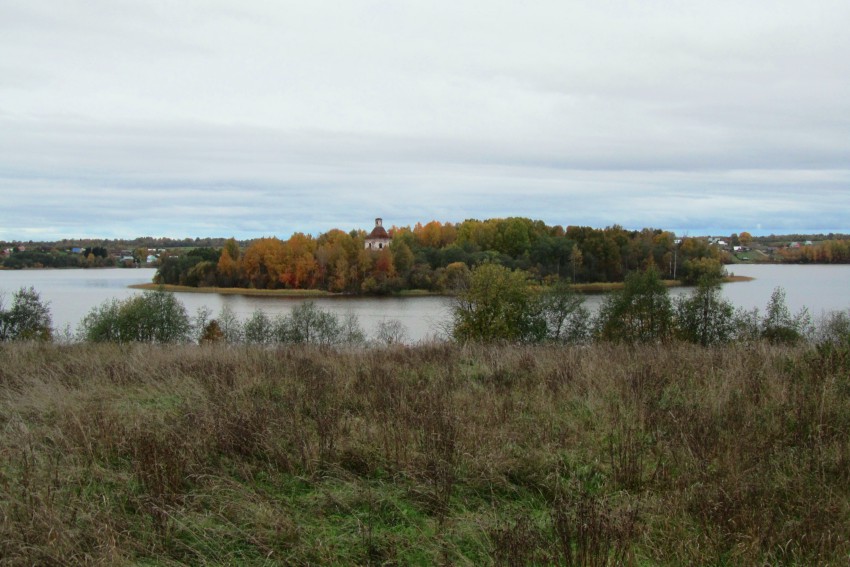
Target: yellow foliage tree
(263, 263)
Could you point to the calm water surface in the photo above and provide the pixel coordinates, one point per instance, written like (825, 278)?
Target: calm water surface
(818, 288)
(73, 293)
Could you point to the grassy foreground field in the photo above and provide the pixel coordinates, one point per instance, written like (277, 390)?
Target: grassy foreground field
(437, 454)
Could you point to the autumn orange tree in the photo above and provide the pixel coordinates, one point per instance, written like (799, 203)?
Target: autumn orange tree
(336, 254)
(228, 269)
(299, 268)
(262, 263)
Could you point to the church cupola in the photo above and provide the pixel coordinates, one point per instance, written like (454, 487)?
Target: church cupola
(379, 238)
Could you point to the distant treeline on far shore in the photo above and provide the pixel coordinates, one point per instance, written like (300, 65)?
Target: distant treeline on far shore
(431, 257)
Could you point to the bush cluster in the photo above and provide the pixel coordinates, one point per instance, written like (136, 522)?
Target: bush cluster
(305, 323)
(158, 317)
(497, 304)
(155, 317)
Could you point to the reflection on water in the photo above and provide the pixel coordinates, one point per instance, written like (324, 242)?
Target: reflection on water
(73, 293)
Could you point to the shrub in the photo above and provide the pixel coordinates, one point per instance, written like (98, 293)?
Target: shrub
(640, 312)
(212, 333)
(747, 324)
(497, 305)
(834, 328)
(259, 328)
(567, 320)
(391, 332)
(309, 324)
(152, 317)
(778, 325)
(27, 320)
(705, 317)
(231, 326)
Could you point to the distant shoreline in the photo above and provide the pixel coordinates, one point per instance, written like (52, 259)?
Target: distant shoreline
(605, 287)
(237, 290)
(589, 288)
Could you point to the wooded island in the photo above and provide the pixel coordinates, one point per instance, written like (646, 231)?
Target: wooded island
(434, 257)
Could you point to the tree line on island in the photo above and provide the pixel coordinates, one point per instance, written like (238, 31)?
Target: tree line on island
(434, 256)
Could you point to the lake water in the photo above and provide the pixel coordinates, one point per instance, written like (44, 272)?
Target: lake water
(819, 288)
(73, 293)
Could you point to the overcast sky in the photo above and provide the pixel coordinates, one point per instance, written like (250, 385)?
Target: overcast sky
(124, 118)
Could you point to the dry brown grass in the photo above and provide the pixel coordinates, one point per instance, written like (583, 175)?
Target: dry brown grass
(440, 453)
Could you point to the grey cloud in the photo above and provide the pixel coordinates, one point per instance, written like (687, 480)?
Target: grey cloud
(258, 118)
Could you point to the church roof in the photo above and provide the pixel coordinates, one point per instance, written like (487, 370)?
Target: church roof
(379, 232)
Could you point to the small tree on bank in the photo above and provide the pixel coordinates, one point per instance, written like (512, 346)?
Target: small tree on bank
(567, 320)
(640, 312)
(28, 319)
(497, 305)
(778, 325)
(705, 317)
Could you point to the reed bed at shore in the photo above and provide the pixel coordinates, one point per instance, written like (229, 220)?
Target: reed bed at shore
(311, 293)
(436, 454)
(595, 287)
